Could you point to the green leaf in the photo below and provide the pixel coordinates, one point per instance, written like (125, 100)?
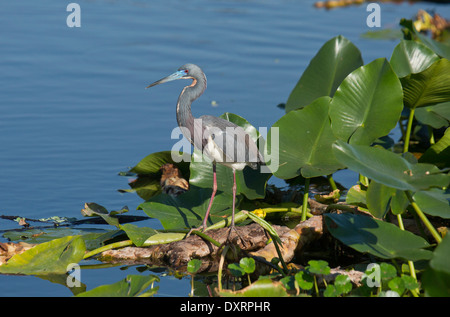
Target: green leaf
(356, 196)
(429, 87)
(248, 264)
(194, 265)
(397, 285)
(434, 202)
(138, 235)
(440, 262)
(411, 57)
(93, 209)
(436, 116)
(305, 280)
(261, 288)
(438, 153)
(442, 49)
(343, 284)
(436, 283)
(384, 240)
(319, 267)
(368, 104)
(131, 286)
(188, 209)
(236, 270)
(389, 168)
(439, 48)
(335, 60)
(151, 164)
(163, 238)
(409, 282)
(47, 258)
(381, 198)
(436, 279)
(387, 271)
(267, 226)
(147, 184)
(330, 291)
(44, 235)
(305, 139)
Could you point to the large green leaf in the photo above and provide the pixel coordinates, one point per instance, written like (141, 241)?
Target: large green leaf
(410, 57)
(382, 198)
(368, 104)
(436, 279)
(429, 87)
(305, 140)
(438, 153)
(151, 164)
(138, 234)
(147, 184)
(251, 183)
(436, 116)
(47, 258)
(335, 60)
(434, 202)
(379, 238)
(441, 49)
(389, 168)
(131, 286)
(378, 199)
(188, 209)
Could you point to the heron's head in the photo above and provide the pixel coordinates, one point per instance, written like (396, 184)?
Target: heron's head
(187, 71)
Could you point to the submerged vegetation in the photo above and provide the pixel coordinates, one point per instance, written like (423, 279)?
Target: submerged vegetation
(384, 236)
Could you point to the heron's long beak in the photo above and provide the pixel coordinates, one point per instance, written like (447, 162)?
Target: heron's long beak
(174, 76)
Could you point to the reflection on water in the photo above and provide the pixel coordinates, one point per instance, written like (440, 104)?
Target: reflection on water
(75, 112)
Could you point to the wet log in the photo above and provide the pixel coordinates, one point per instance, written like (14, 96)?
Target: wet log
(255, 242)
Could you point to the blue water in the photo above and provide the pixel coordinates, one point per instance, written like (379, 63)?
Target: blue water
(74, 111)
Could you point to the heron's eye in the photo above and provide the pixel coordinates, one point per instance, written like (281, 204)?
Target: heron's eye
(186, 71)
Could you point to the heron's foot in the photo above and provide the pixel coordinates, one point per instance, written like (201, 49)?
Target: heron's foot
(229, 236)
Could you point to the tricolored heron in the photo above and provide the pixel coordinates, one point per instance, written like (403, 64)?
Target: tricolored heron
(222, 141)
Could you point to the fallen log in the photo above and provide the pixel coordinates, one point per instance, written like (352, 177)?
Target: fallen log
(177, 254)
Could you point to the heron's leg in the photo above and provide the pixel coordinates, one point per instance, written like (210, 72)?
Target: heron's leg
(234, 197)
(204, 225)
(232, 226)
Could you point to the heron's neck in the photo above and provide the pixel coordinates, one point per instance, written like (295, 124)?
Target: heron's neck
(188, 95)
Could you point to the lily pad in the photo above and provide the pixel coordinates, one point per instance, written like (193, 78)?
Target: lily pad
(436, 116)
(138, 234)
(188, 209)
(305, 139)
(131, 286)
(151, 164)
(379, 238)
(389, 168)
(335, 60)
(47, 258)
(434, 202)
(368, 104)
(429, 87)
(411, 57)
(438, 153)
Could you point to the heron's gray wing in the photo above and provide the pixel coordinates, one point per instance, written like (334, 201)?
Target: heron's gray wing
(236, 145)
